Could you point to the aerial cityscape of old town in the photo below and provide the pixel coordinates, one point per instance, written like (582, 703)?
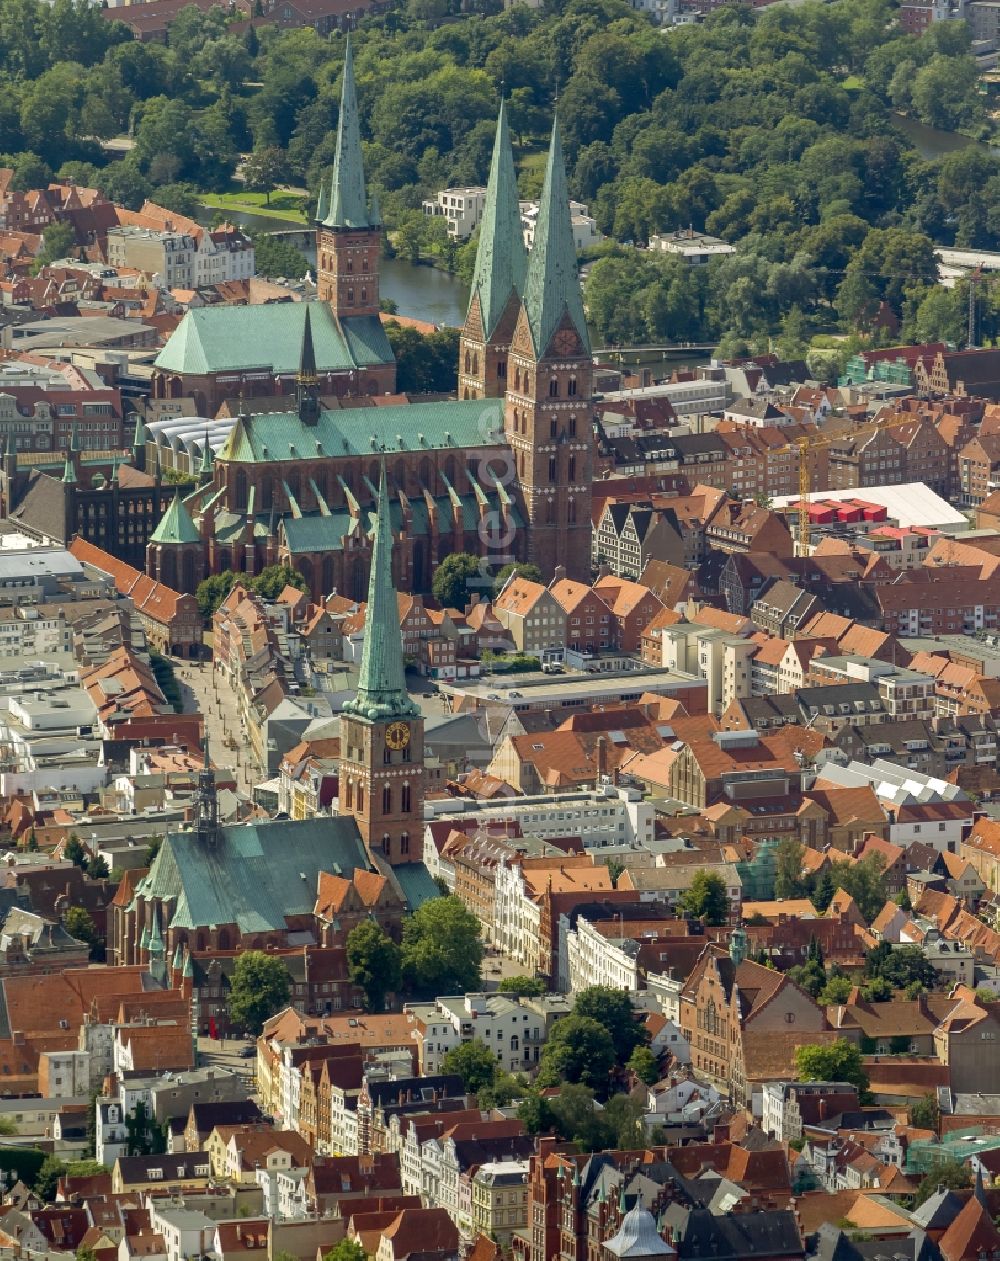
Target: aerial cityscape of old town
(500, 630)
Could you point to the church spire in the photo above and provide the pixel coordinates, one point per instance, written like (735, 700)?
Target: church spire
(346, 205)
(552, 285)
(207, 802)
(307, 380)
(500, 258)
(382, 681)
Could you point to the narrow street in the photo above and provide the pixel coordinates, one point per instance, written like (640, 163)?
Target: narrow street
(203, 692)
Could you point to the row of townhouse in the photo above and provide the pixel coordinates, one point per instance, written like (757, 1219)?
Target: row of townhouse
(611, 614)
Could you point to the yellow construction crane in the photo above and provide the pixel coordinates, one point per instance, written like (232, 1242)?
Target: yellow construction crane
(805, 445)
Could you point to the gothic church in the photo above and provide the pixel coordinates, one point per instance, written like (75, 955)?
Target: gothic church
(503, 471)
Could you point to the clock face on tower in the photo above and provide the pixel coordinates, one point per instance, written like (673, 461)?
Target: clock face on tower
(397, 735)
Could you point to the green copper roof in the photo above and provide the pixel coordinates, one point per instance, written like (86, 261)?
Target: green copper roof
(176, 525)
(235, 338)
(254, 875)
(500, 259)
(348, 205)
(283, 436)
(382, 679)
(552, 286)
(315, 532)
(139, 437)
(69, 472)
(270, 337)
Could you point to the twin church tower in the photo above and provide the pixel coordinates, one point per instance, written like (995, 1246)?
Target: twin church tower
(525, 336)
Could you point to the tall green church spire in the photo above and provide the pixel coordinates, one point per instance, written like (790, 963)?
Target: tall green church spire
(501, 261)
(552, 286)
(346, 206)
(382, 681)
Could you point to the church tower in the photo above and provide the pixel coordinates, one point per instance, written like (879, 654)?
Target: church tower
(307, 381)
(206, 806)
(348, 232)
(549, 402)
(381, 770)
(497, 281)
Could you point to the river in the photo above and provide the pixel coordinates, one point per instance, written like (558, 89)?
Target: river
(420, 293)
(930, 142)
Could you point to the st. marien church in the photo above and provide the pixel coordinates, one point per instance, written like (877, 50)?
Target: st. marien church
(503, 471)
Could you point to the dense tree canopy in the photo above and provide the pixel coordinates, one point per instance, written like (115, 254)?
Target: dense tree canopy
(773, 128)
(442, 949)
(258, 988)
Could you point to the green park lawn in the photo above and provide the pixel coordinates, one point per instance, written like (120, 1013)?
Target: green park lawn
(283, 205)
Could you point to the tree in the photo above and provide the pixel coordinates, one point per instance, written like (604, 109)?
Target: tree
(211, 593)
(645, 1065)
(837, 990)
(623, 1116)
(576, 1118)
(836, 1061)
(275, 258)
(48, 1177)
(535, 1113)
(273, 579)
(788, 855)
(426, 363)
(58, 241)
(523, 986)
(79, 923)
(442, 949)
(152, 849)
(864, 882)
(580, 1050)
(945, 1174)
(74, 851)
(474, 1062)
(530, 573)
(259, 987)
(458, 576)
(265, 169)
(97, 868)
(346, 1250)
(373, 960)
(925, 1113)
(613, 1010)
(900, 966)
(706, 898)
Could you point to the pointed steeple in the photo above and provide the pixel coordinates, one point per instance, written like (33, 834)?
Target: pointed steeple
(501, 261)
(552, 285)
(207, 460)
(139, 435)
(74, 437)
(139, 444)
(69, 472)
(346, 205)
(307, 381)
(176, 525)
(382, 681)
